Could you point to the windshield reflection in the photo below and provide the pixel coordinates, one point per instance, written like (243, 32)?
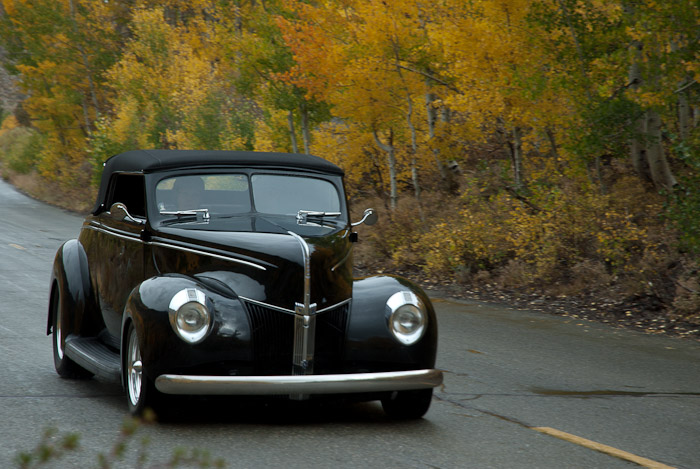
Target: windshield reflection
(260, 202)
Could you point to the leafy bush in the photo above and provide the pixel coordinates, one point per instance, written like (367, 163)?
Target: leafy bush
(552, 236)
(684, 201)
(20, 147)
(52, 447)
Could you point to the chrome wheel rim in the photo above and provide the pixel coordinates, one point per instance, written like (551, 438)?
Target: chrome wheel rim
(134, 369)
(58, 331)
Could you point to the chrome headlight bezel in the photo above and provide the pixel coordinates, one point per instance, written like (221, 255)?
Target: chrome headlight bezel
(407, 317)
(189, 315)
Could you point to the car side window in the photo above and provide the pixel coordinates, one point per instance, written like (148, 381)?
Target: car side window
(129, 189)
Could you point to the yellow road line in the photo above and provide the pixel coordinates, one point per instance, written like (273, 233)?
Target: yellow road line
(602, 448)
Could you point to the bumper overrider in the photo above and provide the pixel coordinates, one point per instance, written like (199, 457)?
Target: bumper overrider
(299, 384)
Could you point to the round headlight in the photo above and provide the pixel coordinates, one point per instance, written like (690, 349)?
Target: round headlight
(407, 317)
(189, 316)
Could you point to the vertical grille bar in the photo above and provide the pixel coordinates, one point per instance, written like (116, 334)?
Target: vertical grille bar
(274, 335)
(272, 339)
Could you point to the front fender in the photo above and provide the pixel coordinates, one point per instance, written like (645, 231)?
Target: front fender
(162, 350)
(370, 344)
(70, 279)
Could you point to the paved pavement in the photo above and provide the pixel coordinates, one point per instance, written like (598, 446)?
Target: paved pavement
(522, 389)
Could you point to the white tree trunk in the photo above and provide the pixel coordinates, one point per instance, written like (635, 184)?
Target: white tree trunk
(305, 132)
(292, 132)
(432, 119)
(391, 161)
(414, 149)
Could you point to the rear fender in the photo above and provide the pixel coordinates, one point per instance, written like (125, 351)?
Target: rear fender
(70, 278)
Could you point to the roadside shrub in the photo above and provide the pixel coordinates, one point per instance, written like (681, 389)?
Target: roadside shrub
(686, 302)
(472, 240)
(573, 238)
(683, 203)
(19, 146)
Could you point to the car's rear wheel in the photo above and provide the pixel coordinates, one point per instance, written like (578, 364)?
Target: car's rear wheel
(408, 404)
(140, 392)
(65, 367)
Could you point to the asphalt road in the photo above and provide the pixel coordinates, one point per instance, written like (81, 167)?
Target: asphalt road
(522, 389)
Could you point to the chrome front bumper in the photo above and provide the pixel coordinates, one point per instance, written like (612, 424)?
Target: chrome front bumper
(299, 384)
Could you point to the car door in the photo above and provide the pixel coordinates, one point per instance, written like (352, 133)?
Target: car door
(117, 251)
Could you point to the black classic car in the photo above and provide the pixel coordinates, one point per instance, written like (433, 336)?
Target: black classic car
(230, 273)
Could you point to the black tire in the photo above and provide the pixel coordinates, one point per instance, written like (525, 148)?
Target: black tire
(407, 405)
(141, 393)
(65, 367)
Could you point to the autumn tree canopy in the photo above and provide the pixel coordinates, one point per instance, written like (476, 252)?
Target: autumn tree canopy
(549, 108)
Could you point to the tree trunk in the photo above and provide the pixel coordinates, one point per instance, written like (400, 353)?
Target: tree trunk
(638, 150)
(391, 161)
(431, 113)
(554, 150)
(86, 118)
(88, 71)
(292, 132)
(414, 149)
(684, 120)
(646, 148)
(517, 158)
(660, 171)
(305, 132)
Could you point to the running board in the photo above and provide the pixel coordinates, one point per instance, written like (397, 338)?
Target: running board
(93, 355)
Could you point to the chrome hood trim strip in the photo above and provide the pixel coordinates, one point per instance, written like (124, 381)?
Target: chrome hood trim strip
(304, 322)
(131, 237)
(99, 227)
(291, 311)
(267, 305)
(306, 255)
(299, 385)
(206, 253)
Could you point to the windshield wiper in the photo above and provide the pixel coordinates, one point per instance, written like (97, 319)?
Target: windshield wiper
(304, 215)
(199, 213)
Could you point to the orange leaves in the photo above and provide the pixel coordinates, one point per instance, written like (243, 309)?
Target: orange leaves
(317, 62)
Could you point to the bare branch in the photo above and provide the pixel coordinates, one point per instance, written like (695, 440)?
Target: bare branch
(432, 77)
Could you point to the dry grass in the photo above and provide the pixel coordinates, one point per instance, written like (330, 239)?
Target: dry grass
(74, 199)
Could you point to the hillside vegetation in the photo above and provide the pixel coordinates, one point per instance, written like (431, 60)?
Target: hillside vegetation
(546, 146)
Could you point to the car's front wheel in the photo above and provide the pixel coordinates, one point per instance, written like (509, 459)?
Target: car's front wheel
(408, 404)
(141, 393)
(65, 367)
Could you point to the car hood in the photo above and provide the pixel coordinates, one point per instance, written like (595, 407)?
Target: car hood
(266, 267)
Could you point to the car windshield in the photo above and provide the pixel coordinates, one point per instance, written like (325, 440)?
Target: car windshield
(217, 193)
(287, 195)
(281, 199)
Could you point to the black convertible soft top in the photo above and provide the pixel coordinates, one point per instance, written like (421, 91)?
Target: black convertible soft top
(146, 161)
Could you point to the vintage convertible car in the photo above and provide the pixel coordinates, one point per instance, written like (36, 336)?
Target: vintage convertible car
(230, 273)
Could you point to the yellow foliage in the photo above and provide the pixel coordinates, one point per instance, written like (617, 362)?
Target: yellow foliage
(270, 135)
(8, 123)
(565, 229)
(127, 125)
(354, 150)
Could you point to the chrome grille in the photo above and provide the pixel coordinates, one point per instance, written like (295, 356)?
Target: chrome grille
(272, 333)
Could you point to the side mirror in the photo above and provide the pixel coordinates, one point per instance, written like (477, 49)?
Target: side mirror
(370, 218)
(119, 212)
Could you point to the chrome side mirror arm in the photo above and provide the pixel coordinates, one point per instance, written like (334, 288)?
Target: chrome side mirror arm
(119, 212)
(370, 218)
